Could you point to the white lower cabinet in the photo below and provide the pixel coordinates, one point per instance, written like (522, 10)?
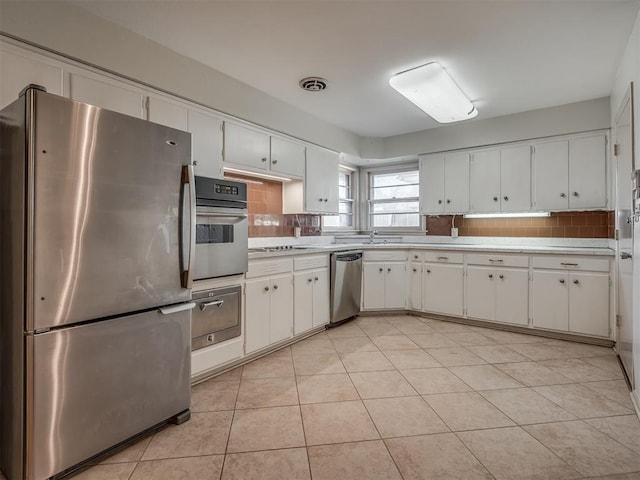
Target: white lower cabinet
(310, 293)
(443, 288)
(498, 294)
(415, 286)
(384, 284)
(572, 301)
(268, 303)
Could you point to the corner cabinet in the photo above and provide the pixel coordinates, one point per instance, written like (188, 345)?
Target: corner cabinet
(268, 303)
(571, 174)
(571, 294)
(321, 181)
(443, 283)
(444, 183)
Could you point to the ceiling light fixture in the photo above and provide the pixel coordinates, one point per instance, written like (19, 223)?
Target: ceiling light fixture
(432, 90)
(507, 215)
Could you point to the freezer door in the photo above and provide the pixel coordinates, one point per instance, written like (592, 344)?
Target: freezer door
(106, 213)
(98, 384)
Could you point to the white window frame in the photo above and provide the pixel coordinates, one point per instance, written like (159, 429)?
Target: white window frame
(366, 201)
(352, 174)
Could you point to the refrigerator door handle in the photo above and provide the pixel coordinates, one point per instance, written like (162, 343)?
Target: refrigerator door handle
(188, 180)
(180, 307)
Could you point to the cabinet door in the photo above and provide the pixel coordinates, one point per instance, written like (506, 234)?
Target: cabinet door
(166, 113)
(302, 302)
(112, 96)
(281, 307)
(515, 179)
(320, 297)
(395, 295)
(321, 182)
(484, 181)
(589, 303)
(245, 146)
(588, 172)
(512, 296)
(443, 289)
(206, 144)
(431, 173)
(287, 157)
(551, 176)
(481, 293)
(373, 285)
(19, 71)
(456, 183)
(415, 286)
(257, 323)
(550, 300)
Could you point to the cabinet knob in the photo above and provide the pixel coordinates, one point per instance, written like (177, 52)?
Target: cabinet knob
(274, 161)
(326, 199)
(266, 289)
(388, 269)
(576, 282)
(320, 199)
(428, 271)
(264, 159)
(415, 256)
(501, 276)
(495, 199)
(448, 201)
(309, 280)
(491, 275)
(415, 269)
(506, 199)
(315, 278)
(575, 194)
(275, 287)
(563, 195)
(195, 162)
(562, 280)
(439, 202)
(381, 269)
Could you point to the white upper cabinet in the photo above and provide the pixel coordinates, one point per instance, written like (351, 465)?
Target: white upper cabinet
(107, 93)
(444, 183)
(205, 129)
(515, 179)
(321, 181)
(571, 174)
(19, 71)
(287, 157)
(246, 146)
(501, 180)
(485, 181)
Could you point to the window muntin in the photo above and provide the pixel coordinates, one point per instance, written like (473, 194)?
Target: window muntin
(393, 199)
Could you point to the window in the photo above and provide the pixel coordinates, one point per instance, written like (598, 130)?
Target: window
(344, 219)
(393, 199)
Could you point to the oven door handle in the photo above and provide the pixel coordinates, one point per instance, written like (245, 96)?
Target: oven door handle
(188, 181)
(203, 306)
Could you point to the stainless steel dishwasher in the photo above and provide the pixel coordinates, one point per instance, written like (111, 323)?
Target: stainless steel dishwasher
(346, 282)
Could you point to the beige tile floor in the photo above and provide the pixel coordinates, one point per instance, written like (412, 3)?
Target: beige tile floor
(402, 398)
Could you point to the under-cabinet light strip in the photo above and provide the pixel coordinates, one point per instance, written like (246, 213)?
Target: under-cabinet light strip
(507, 215)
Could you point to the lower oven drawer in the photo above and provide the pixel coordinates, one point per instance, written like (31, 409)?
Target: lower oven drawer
(216, 317)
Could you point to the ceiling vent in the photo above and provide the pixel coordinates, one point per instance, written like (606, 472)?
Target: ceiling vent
(313, 84)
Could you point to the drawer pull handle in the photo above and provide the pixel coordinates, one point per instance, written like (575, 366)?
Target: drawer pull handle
(566, 264)
(496, 260)
(576, 282)
(501, 276)
(562, 280)
(218, 303)
(443, 258)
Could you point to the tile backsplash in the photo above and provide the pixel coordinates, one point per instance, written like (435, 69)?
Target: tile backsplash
(264, 203)
(590, 224)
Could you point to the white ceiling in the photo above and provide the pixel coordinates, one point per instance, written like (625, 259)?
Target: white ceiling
(507, 56)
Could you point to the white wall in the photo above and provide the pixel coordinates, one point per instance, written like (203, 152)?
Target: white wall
(72, 31)
(560, 120)
(629, 71)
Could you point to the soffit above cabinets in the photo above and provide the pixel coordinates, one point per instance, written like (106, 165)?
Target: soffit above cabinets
(507, 57)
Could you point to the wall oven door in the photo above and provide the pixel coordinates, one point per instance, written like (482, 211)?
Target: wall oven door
(216, 317)
(221, 242)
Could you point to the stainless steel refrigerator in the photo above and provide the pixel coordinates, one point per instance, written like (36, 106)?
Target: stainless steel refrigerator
(96, 224)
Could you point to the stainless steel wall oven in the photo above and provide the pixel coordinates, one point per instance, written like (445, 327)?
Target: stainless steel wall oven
(221, 228)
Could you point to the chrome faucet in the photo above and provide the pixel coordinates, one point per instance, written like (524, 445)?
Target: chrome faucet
(372, 235)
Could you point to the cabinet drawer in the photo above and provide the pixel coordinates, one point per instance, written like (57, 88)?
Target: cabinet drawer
(415, 256)
(262, 268)
(443, 257)
(385, 256)
(571, 263)
(311, 261)
(498, 260)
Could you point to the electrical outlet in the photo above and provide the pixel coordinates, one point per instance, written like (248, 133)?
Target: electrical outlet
(454, 232)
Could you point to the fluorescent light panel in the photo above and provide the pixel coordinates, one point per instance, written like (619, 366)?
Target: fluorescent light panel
(432, 89)
(506, 215)
(255, 174)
